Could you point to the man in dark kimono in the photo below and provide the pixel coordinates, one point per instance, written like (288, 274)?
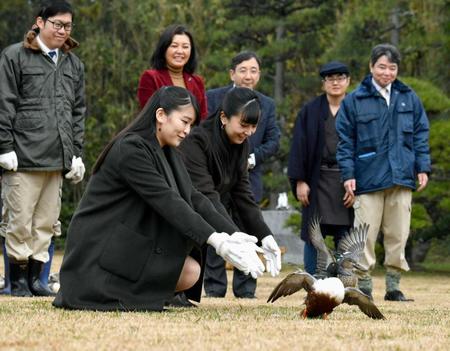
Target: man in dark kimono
(313, 170)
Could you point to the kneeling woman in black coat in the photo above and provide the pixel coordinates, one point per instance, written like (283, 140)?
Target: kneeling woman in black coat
(216, 155)
(129, 241)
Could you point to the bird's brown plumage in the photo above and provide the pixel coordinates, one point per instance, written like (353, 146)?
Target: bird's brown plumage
(356, 297)
(319, 303)
(348, 253)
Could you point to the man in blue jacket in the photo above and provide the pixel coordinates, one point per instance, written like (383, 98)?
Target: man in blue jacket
(264, 143)
(383, 148)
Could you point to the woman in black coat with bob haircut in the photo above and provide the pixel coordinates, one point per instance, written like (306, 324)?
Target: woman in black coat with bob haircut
(216, 155)
(129, 243)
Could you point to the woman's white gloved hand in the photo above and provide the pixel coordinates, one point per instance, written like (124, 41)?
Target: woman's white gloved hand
(240, 250)
(256, 265)
(241, 237)
(272, 254)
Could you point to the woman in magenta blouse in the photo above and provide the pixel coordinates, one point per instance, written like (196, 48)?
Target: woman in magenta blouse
(173, 63)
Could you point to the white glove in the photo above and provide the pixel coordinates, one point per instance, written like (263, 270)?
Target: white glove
(239, 250)
(272, 254)
(9, 161)
(251, 161)
(256, 266)
(240, 237)
(77, 170)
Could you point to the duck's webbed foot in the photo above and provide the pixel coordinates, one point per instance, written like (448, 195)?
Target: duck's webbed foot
(304, 314)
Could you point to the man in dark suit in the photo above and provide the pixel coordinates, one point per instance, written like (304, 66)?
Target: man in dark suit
(244, 72)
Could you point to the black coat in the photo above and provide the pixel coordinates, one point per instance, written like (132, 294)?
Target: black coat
(264, 143)
(227, 187)
(133, 229)
(305, 156)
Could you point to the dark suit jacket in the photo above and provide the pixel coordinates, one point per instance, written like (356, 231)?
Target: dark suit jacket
(266, 140)
(152, 79)
(137, 221)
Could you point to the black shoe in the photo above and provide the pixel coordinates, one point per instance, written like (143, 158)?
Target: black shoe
(18, 275)
(180, 300)
(367, 292)
(396, 295)
(36, 286)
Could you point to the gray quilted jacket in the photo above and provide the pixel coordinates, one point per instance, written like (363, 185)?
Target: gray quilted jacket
(42, 105)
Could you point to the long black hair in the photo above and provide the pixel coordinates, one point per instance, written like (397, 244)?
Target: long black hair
(238, 101)
(169, 98)
(158, 59)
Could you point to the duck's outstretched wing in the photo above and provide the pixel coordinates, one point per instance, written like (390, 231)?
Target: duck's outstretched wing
(324, 256)
(352, 244)
(355, 296)
(291, 284)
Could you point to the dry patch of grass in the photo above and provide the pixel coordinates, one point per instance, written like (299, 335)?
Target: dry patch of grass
(235, 324)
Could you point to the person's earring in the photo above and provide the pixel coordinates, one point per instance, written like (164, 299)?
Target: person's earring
(159, 129)
(222, 126)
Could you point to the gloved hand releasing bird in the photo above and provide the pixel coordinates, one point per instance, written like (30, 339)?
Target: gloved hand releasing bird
(272, 254)
(240, 250)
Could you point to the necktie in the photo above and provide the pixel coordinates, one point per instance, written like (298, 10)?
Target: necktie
(52, 55)
(387, 95)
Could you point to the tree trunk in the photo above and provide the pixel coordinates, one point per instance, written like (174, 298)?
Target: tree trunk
(279, 69)
(395, 32)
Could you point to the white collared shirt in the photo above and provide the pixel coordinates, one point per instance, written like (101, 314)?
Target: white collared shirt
(385, 92)
(46, 50)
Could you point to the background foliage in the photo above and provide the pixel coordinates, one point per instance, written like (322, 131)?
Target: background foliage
(293, 37)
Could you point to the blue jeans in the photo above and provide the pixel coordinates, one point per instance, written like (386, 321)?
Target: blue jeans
(310, 252)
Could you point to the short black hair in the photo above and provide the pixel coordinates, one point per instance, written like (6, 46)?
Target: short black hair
(244, 56)
(244, 102)
(53, 7)
(388, 50)
(158, 59)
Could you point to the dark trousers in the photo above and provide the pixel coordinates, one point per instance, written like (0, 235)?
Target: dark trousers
(310, 252)
(215, 280)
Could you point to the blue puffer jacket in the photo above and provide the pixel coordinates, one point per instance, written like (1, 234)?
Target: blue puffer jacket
(379, 146)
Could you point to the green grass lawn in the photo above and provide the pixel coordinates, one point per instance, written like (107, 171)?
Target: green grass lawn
(239, 324)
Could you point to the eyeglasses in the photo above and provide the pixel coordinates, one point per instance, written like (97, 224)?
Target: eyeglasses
(338, 79)
(58, 25)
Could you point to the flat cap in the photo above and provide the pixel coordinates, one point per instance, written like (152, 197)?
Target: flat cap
(333, 67)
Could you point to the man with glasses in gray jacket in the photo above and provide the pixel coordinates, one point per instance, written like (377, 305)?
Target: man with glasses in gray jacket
(42, 111)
